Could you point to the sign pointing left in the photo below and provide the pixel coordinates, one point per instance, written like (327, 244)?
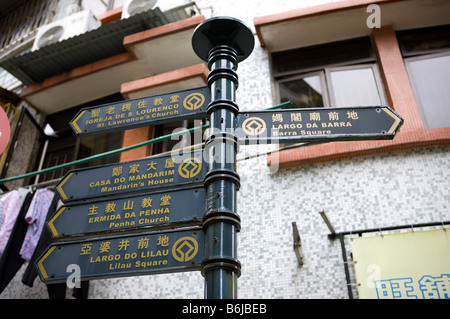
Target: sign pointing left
(126, 255)
(134, 176)
(151, 110)
(150, 211)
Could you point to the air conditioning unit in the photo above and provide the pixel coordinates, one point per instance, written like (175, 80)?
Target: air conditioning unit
(67, 27)
(132, 7)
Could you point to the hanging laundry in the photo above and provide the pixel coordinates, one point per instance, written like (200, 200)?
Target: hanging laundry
(2, 214)
(55, 291)
(11, 203)
(35, 218)
(11, 261)
(44, 241)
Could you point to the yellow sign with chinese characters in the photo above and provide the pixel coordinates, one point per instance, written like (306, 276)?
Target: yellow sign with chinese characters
(412, 265)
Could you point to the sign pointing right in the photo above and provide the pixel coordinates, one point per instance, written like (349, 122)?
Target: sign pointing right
(318, 125)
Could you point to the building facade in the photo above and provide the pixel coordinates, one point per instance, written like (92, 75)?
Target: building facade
(314, 53)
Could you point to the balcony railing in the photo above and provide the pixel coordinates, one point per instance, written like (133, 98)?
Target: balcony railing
(18, 28)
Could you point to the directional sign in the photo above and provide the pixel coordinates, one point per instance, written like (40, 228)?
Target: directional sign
(128, 255)
(149, 173)
(317, 125)
(170, 208)
(152, 110)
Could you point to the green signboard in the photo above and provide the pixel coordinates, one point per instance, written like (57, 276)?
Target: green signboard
(127, 255)
(149, 173)
(152, 210)
(317, 125)
(152, 110)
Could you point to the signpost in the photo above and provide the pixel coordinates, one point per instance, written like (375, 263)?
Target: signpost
(126, 255)
(318, 125)
(223, 43)
(152, 110)
(150, 173)
(150, 211)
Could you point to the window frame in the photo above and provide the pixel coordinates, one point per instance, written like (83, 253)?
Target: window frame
(320, 72)
(178, 143)
(417, 97)
(376, 73)
(327, 85)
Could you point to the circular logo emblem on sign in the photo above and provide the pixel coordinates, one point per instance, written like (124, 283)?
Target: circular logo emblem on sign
(190, 167)
(5, 130)
(193, 101)
(254, 126)
(185, 249)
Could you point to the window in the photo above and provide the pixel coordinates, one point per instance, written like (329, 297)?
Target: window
(430, 80)
(64, 146)
(344, 75)
(304, 91)
(355, 86)
(177, 142)
(427, 60)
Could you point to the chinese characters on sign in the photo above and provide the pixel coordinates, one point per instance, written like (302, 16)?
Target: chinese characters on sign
(152, 110)
(427, 287)
(402, 265)
(319, 124)
(155, 209)
(145, 174)
(131, 255)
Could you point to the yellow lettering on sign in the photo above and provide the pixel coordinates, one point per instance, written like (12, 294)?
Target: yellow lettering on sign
(114, 266)
(160, 181)
(352, 115)
(303, 132)
(158, 253)
(147, 221)
(147, 264)
(105, 246)
(100, 183)
(146, 202)
(121, 187)
(158, 101)
(104, 258)
(142, 104)
(122, 224)
(314, 116)
(174, 98)
(86, 249)
(106, 218)
(143, 243)
(156, 211)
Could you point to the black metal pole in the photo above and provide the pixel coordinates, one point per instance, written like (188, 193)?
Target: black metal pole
(222, 42)
(347, 272)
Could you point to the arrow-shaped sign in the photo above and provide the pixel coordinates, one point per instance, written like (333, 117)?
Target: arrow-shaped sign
(152, 110)
(317, 125)
(134, 176)
(155, 210)
(126, 255)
